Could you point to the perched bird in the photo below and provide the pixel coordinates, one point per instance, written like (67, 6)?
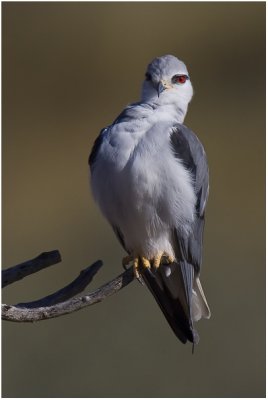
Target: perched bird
(149, 176)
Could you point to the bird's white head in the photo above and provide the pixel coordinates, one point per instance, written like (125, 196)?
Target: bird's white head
(167, 82)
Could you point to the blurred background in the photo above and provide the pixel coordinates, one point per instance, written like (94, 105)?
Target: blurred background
(68, 71)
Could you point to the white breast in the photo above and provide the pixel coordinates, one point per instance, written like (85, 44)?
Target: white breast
(142, 188)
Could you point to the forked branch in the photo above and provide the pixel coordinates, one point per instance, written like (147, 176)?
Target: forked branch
(63, 301)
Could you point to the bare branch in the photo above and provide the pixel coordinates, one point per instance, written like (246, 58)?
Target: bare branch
(44, 260)
(75, 287)
(60, 302)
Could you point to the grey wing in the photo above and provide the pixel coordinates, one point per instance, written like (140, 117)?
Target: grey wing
(124, 116)
(91, 161)
(176, 287)
(188, 248)
(95, 149)
(187, 147)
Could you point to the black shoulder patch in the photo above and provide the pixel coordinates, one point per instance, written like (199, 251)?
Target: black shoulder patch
(95, 149)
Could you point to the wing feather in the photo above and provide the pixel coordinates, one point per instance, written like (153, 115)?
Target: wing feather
(177, 288)
(96, 148)
(172, 295)
(187, 147)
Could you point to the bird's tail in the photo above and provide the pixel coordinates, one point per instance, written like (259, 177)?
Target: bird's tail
(199, 301)
(172, 286)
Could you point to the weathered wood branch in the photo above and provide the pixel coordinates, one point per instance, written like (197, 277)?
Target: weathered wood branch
(44, 260)
(61, 302)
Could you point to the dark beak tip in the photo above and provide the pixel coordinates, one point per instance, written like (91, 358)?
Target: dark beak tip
(160, 89)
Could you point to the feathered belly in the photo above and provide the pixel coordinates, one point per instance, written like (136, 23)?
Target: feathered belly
(146, 199)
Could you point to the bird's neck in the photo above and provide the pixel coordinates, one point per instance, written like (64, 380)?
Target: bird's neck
(173, 112)
(170, 103)
(152, 111)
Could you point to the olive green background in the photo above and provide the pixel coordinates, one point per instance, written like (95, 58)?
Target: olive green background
(68, 70)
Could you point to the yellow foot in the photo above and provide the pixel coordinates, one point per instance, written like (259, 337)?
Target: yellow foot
(162, 258)
(167, 259)
(143, 262)
(129, 261)
(137, 262)
(136, 268)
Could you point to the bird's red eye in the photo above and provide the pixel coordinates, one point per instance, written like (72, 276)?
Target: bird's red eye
(179, 79)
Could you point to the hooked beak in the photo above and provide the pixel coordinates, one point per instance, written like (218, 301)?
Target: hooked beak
(163, 85)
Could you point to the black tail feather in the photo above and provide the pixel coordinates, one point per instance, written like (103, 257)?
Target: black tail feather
(171, 286)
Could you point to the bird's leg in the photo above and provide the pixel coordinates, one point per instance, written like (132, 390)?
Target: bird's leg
(145, 262)
(162, 257)
(167, 259)
(138, 263)
(136, 268)
(128, 260)
(157, 260)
